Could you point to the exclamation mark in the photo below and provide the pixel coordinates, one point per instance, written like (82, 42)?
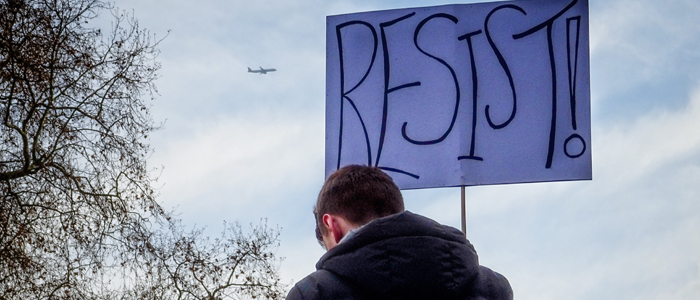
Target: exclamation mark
(573, 28)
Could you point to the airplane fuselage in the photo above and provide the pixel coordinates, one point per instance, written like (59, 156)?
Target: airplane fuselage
(261, 71)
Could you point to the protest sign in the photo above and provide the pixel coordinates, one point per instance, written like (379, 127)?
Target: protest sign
(461, 95)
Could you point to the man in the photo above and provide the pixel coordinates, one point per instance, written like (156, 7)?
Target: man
(376, 250)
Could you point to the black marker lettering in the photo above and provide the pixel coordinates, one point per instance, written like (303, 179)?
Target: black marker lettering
(572, 73)
(504, 65)
(574, 145)
(548, 24)
(344, 94)
(387, 91)
(454, 77)
(400, 172)
(572, 82)
(571, 138)
(387, 72)
(475, 84)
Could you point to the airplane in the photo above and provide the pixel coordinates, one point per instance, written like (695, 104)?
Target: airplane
(261, 71)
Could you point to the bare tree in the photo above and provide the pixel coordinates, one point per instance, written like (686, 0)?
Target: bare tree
(78, 214)
(234, 266)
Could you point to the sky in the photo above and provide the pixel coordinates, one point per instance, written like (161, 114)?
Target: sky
(244, 147)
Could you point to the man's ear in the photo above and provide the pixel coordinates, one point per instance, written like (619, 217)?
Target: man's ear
(334, 227)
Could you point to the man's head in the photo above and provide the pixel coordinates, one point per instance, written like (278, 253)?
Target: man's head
(351, 197)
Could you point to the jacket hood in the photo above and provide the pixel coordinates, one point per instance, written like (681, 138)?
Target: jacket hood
(405, 256)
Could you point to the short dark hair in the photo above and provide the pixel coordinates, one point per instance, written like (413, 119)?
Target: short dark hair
(359, 194)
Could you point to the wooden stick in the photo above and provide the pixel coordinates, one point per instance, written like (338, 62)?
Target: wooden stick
(464, 212)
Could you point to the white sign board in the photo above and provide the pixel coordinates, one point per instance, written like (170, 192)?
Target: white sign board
(461, 95)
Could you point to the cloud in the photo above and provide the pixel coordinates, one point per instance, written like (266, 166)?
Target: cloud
(643, 56)
(232, 163)
(651, 142)
(643, 30)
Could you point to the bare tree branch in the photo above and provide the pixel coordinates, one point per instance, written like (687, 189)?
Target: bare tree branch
(78, 212)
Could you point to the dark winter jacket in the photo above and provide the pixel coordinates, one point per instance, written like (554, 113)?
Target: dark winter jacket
(403, 256)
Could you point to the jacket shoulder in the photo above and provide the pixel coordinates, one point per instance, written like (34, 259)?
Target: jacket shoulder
(323, 284)
(490, 285)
